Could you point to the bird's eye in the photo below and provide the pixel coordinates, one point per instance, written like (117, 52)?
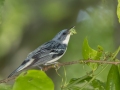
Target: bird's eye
(64, 33)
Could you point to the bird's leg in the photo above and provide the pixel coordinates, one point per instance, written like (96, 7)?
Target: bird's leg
(54, 64)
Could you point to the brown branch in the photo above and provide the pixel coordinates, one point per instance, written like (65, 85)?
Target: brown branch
(8, 79)
(67, 63)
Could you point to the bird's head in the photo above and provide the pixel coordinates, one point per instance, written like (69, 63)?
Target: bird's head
(63, 36)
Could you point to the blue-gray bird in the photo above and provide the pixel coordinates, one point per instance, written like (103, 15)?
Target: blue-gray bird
(48, 53)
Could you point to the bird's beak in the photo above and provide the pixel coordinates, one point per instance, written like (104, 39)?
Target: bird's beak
(71, 30)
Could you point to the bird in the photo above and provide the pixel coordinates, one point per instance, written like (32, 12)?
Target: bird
(48, 53)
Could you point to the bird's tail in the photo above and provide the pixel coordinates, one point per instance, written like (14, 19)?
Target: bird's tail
(24, 65)
(17, 70)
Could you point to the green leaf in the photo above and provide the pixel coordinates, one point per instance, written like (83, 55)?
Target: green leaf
(113, 79)
(89, 53)
(118, 10)
(5, 87)
(33, 80)
(98, 85)
(78, 83)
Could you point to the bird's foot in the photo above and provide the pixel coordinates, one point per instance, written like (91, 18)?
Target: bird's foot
(56, 65)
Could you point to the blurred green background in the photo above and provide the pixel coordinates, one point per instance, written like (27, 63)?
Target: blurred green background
(26, 24)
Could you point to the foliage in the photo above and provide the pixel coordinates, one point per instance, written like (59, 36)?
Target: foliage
(90, 81)
(77, 83)
(89, 53)
(38, 80)
(113, 79)
(33, 80)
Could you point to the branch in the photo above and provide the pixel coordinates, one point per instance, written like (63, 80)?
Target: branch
(67, 63)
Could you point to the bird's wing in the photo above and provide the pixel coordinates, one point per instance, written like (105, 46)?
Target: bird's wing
(41, 55)
(49, 51)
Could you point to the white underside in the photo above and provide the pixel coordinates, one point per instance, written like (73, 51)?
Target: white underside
(66, 40)
(52, 61)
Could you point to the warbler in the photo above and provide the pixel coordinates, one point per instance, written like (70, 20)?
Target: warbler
(48, 53)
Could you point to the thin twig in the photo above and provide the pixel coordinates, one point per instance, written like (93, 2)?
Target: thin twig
(67, 63)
